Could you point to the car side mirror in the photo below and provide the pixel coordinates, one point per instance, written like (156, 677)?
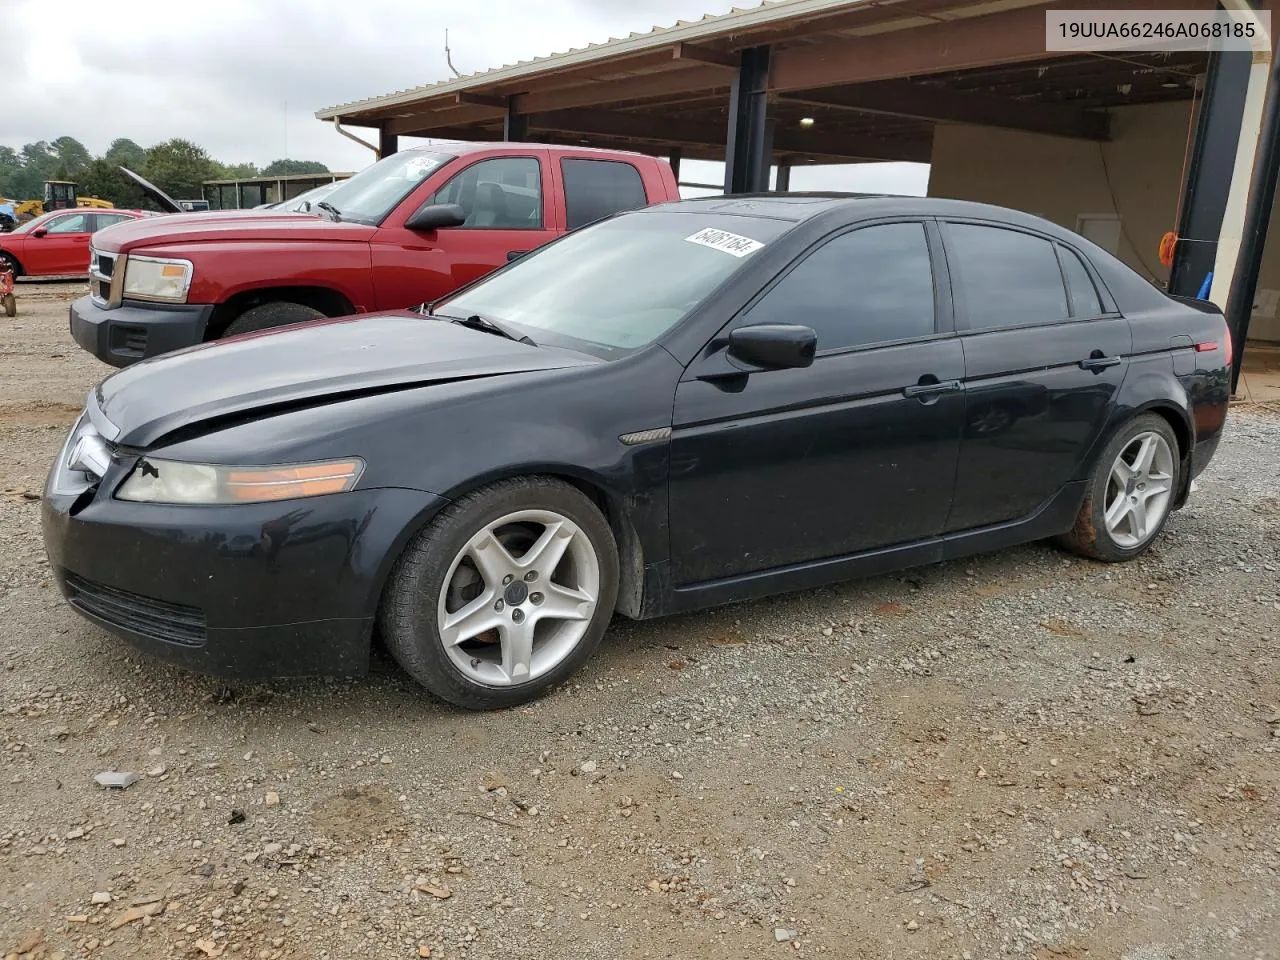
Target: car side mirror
(435, 216)
(774, 346)
(39, 232)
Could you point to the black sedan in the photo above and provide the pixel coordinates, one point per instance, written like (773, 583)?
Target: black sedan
(682, 406)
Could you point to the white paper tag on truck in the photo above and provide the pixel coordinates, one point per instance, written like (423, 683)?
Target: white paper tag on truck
(725, 241)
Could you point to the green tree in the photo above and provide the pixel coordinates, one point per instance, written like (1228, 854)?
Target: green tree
(239, 171)
(10, 167)
(125, 153)
(71, 154)
(179, 167)
(39, 159)
(102, 178)
(284, 168)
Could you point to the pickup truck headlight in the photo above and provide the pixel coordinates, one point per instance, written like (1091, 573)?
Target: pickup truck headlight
(157, 278)
(177, 482)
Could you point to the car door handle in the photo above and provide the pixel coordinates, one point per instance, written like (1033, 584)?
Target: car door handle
(1096, 363)
(921, 390)
(515, 254)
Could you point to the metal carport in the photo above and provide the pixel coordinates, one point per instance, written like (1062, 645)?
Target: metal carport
(843, 81)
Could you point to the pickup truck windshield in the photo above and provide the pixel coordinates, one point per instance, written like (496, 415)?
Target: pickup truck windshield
(377, 190)
(615, 287)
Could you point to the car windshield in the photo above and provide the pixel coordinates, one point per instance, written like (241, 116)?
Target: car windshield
(617, 286)
(375, 191)
(305, 201)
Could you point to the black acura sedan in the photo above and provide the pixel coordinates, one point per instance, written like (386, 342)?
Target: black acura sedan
(682, 406)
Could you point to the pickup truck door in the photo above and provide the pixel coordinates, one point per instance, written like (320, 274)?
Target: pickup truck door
(510, 210)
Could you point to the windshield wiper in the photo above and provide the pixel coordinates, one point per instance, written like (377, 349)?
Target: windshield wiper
(477, 322)
(329, 208)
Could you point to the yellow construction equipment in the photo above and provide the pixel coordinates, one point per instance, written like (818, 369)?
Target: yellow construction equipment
(58, 195)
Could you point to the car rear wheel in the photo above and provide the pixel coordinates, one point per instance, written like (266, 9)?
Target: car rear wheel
(270, 315)
(1131, 492)
(504, 595)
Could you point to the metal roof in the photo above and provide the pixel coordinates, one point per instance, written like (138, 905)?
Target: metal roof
(708, 26)
(848, 80)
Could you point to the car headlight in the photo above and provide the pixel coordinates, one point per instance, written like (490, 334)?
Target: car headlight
(157, 278)
(174, 481)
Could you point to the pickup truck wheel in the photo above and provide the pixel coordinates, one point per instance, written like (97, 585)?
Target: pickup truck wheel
(271, 315)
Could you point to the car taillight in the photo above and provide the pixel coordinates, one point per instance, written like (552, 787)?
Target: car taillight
(1227, 341)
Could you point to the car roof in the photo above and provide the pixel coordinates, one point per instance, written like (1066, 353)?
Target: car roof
(799, 207)
(503, 146)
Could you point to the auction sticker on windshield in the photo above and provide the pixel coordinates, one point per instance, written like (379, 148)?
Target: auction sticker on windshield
(730, 243)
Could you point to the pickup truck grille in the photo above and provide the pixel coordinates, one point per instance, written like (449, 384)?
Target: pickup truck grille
(104, 284)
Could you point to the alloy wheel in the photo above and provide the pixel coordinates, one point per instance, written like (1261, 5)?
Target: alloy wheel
(518, 598)
(1139, 490)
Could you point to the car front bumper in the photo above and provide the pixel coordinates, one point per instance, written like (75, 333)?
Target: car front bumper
(258, 590)
(134, 331)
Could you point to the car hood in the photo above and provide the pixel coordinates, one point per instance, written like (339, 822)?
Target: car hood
(308, 364)
(228, 225)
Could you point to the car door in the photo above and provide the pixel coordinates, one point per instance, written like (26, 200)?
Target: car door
(856, 451)
(1045, 354)
(507, 211)
(64, 247)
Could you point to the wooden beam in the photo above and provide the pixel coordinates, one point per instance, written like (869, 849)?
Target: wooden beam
(477, 134)
(688, 51)
(673, 82)
(670, 131)
(1015, 36)
(446, 116)
(480, 99)
(669, 83)
(904, 99)
(639, 126)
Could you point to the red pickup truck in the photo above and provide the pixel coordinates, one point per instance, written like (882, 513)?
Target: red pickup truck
(413, 227)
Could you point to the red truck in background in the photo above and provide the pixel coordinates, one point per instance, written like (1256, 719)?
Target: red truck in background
(413, 227)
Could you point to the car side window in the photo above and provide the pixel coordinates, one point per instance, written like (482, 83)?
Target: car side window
(107, 219)
(72, 223)
(594, 189)
(872, 285)
(504, 193)
(1085, 301)
(1005, 278)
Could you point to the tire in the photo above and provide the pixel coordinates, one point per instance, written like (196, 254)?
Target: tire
(7, 262)
(1154, 489)
(10, 303)
(438, 577)
(269, 315)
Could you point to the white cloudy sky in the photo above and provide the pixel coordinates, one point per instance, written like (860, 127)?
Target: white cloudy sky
(243, 78)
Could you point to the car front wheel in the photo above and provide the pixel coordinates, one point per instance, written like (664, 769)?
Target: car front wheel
(1131, 492)
(504, 595)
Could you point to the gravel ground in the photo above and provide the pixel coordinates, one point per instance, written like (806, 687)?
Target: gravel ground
(1023, 753)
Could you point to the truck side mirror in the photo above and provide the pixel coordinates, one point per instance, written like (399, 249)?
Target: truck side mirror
(435, 216)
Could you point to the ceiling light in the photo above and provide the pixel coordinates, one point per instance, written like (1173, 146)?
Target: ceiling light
(806, 121)
(1170, 85)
